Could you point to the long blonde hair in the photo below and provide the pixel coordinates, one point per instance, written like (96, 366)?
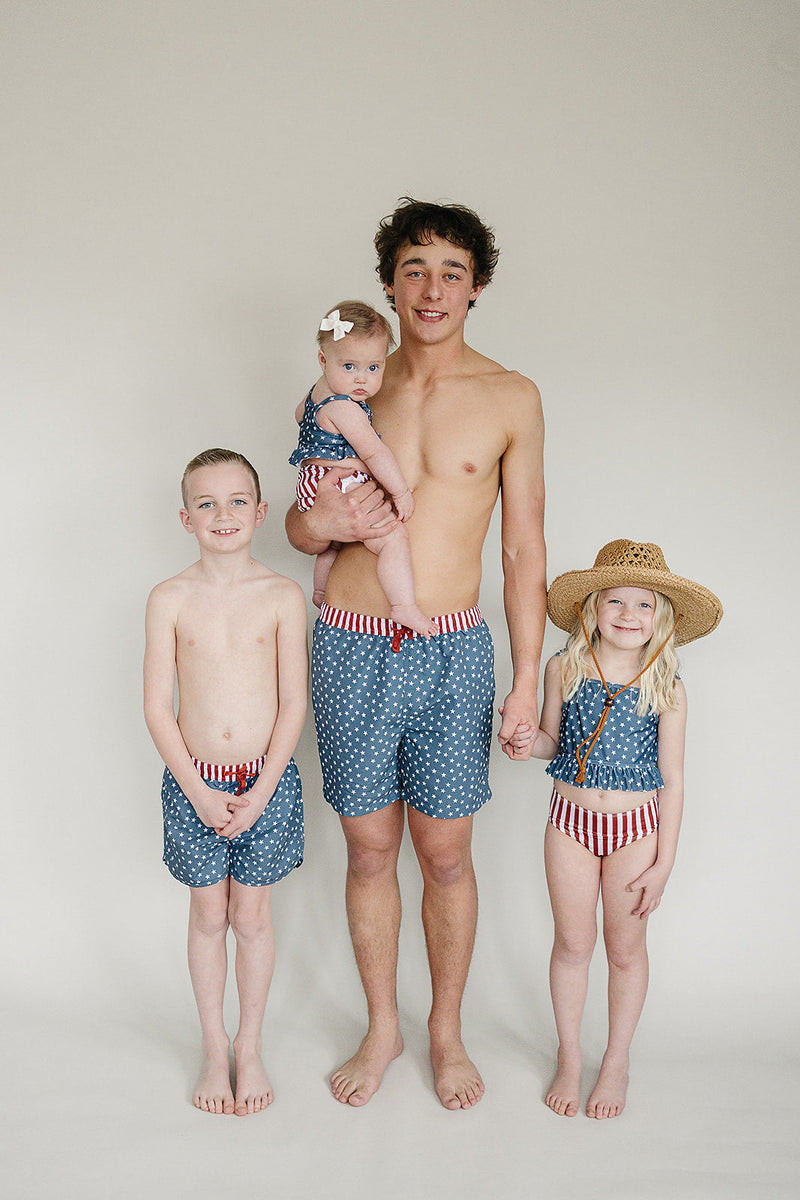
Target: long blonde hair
(657, 691)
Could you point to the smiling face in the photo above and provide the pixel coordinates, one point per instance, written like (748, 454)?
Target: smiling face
(221, 507)
(354, 366)
(432, 289)
(625, 616)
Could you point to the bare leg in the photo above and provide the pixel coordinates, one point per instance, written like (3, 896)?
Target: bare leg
(208, 967)
(573, 880)
(628, 969)
(373, 911)
(251, 922)
(322, 569)
(449, 916)
(396, 577)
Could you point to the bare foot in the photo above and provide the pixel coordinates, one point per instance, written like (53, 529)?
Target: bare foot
(318, 598)
(455, 1077)
(359, 1078)
(253, 1091)
(564, 1091)
(414, 618)
(213, 1091)
(608, 1097)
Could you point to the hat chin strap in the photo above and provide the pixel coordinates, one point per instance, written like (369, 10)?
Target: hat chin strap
(609, 700)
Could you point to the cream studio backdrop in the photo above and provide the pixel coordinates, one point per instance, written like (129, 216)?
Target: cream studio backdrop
(189, 186)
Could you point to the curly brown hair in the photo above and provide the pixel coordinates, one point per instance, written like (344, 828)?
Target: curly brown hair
(417, 222)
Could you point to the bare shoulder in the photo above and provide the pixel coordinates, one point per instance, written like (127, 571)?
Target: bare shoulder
(282, 592)
(170, 592)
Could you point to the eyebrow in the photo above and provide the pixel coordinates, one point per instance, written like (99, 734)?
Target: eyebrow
(233, 496)
(419, 261)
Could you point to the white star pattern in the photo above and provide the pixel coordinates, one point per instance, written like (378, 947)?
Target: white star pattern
(624, 757)
(273, 847)
(414, 724)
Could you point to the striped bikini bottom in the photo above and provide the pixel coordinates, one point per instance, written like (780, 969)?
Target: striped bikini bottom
(603, 833)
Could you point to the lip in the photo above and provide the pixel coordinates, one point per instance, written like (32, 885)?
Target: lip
(431, 315)
(224, 532)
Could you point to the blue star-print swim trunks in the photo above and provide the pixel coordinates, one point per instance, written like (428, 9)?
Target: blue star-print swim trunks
(273, 847)
(402, 717)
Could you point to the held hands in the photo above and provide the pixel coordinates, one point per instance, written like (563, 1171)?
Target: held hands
(519, 727)
(651, 883)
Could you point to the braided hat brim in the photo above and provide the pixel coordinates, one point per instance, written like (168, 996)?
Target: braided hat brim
(701, 609)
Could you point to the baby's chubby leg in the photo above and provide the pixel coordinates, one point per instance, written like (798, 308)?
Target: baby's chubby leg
(208, 966)
(396, 577)
(251, 920)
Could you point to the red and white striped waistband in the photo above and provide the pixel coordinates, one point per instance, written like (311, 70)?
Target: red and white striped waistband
(339, 618)
(238, 774)
(603, 833)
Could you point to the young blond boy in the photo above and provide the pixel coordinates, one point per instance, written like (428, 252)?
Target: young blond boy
(236, 634)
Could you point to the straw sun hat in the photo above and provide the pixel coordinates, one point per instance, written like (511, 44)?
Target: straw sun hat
(635, 564)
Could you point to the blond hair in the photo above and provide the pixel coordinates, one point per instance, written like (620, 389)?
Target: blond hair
(657, 691)
(213, 458)
(367, 323)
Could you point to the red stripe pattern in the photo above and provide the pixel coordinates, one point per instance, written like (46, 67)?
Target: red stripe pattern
(339, 618)
(308, 481)
(238, 774)
(603, 833)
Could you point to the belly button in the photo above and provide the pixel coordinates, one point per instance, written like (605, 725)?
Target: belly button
(226, 736)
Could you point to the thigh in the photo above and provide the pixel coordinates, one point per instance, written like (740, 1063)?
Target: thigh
(620, 869)
(375, 838)
(437, 841)
(358, 696)
(208, 906)
(275, 844)
(194, 854)
(444, 756)
(250, 904)
(573, 881)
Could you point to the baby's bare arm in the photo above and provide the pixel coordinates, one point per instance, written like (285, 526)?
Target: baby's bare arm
(352, 422)
(212, 807)
(292, 665)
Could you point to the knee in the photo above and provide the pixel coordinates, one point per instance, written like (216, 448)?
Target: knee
(622, 954)
(575, 948)
(249, 924)
(446, 867)
(371, 861)
(210, 922)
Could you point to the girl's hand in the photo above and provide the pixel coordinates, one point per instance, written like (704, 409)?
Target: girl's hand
(521, 738)
(651, 883)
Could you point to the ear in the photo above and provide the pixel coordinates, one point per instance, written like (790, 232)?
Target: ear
(261, 513)
(186, 520)
(388, 289)
(321, 359)
(476, 291)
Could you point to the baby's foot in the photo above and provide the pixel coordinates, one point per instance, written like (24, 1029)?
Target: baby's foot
(253, 1090)
(608, 1097)
(318, 598)
(414, 618)
(213, 1092)
(563, 1093)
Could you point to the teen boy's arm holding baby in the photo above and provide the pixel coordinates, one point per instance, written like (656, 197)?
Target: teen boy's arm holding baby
(240, 652)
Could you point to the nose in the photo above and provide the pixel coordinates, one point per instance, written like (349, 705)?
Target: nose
(432, 288)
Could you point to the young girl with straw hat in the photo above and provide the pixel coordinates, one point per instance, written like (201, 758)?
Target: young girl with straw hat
(612, 724)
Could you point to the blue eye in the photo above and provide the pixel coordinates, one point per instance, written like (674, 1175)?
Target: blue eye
(348, 366)
(240, 501)
(205, 504)
(374, 367)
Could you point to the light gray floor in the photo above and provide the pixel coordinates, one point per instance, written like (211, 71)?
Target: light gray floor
(100, 1107)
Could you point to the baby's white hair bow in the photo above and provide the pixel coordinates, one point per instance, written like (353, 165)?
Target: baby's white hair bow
(339, 327)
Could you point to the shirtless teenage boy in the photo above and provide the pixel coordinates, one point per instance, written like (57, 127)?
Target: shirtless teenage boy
(236, 633)
(403, 723)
